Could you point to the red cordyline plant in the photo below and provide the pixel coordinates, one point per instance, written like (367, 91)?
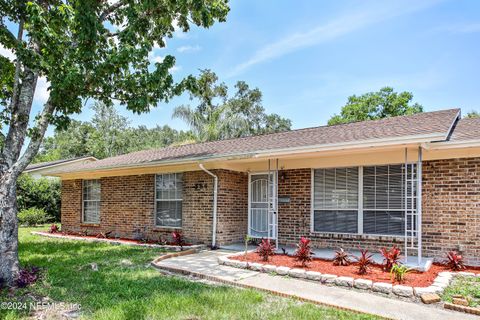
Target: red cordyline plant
(454, 261)
(178, 239)
(304, 252)
(54, 228)
(342, 258)
(265, 249)
(390, 257)
(364, 261)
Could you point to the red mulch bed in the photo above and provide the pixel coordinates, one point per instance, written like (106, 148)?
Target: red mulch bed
(376, 274)
(116, 239)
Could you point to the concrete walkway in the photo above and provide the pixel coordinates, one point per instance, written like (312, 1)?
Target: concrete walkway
(204, 264)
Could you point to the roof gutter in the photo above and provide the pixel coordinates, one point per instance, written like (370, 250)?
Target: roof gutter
(371, 143)
(215, 200)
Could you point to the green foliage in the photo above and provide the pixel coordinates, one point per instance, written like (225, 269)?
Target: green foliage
(473, 114)
(100, 49)
(107, 134)
(40, 193)
(127, 287)
(399, 272)
(466, 286)
(376, 105)
(32, 217)
(218, 116)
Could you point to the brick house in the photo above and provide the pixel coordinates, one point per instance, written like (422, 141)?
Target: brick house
(413, 181)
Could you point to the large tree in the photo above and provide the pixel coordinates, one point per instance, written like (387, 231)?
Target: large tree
(376, 105)
(107, 134)
(218, 116)
(473, 114)
(85, 49)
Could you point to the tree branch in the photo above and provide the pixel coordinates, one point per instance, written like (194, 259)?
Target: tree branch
(111, 9)
(36, 140)
(16, 79)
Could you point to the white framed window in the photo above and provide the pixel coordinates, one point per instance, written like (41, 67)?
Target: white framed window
(364, 200)
(168, 200)
(91, 197)
(335, 200)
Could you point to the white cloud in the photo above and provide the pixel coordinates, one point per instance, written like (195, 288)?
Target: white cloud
(7, 53)
(333, 29)
(154, 57)
(175, 69)
(189, 48)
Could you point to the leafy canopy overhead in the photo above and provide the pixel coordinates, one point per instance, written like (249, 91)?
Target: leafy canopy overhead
(108, 134)
(98, 49)
(376, 105)
(220, 116)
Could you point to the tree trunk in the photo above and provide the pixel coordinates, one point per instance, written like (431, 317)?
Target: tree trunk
(9, 266)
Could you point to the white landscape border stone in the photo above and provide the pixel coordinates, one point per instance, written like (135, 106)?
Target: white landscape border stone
(442, 280)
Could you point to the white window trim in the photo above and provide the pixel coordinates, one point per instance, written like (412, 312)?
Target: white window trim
(83, 202)
(361, 209)
(155, 200)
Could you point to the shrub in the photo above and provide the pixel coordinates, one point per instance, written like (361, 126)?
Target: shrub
(54, 228)
(342, 258)
(364, 261)
(27, 276)
(390, 257)
(304, 252)
(454, 261)
(265, 249)
(39, 193)
(398, 272)
(178, 239)
(32, 217)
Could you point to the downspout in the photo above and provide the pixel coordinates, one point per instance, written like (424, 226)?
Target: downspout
(215, 196)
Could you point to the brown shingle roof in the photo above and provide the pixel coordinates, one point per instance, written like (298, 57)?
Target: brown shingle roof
(466, 129)
(436, 123)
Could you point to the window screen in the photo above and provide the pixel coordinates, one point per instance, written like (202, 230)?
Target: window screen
(384, 198)
(336, 200)
(91, 201)
(169, 197)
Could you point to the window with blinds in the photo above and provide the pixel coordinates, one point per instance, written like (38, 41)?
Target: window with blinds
(335, 206)
(91, 201)
(384, 198)
(169, 198)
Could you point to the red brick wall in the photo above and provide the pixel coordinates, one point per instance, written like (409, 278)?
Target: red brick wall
(232, 206)
(451, 207)
(128, 207)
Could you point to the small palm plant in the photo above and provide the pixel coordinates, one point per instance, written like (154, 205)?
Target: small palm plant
(304, 252)
(342, 258)
(364, 261)
(399, 272)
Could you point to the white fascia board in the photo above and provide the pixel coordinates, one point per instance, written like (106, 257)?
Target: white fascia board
(475, 143)
(48, 167)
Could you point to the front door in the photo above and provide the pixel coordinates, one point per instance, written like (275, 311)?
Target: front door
(262, 206)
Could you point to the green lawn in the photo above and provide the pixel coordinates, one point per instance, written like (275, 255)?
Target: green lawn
(126, 287)
(469, 287)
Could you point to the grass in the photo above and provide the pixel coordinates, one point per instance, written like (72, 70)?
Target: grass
(126, 287)
(467, 286)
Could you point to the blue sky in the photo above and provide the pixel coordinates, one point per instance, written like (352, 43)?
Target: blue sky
(307, 57)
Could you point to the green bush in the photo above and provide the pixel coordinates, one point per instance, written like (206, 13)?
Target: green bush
(32, 217)
(41, 193)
